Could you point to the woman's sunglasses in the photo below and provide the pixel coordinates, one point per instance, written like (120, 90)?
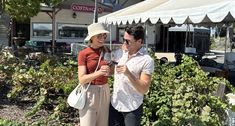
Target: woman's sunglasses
(100, 36)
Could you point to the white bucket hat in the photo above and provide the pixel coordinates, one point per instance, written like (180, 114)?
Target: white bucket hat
(95, 29)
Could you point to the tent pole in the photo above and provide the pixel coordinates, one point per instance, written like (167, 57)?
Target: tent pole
(193, 37)
(225, 49)
(110, 36)
(186, 37)
(167, 39)
(146, 35)
(163, 38)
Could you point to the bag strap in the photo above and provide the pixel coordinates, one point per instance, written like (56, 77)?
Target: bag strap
(101, 54)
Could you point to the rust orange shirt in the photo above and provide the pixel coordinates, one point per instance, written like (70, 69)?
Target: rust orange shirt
(89, 57)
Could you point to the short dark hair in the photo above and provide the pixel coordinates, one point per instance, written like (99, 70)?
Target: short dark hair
(135, 30)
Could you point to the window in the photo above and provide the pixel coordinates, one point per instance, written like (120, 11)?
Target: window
(121, 33)
(42, 29)
(107, 2)
(72, 31)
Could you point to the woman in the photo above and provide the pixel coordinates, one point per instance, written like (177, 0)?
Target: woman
(95, 112)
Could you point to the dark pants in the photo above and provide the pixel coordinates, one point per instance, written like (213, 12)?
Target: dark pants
(117, 118)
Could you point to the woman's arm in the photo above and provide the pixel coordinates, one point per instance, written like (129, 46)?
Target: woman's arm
(86, 78)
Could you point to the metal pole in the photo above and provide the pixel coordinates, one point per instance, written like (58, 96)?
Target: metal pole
(186, 36)
(167, 39)
(95, 19)
(146, 35)
(225, 49)
(110, 41)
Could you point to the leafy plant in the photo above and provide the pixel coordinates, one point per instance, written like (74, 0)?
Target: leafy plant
(24, 9)
(47, 85)
(179, 95)
(183, 95)
(4, 122)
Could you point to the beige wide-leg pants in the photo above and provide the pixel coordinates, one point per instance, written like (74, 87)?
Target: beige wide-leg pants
(96, 110)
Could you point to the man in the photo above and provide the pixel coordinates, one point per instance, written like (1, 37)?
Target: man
(132, 79)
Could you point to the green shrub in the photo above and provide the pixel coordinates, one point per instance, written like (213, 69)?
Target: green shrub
(4, 122)
(179, 95)
(212, 43)
(183, 95)
(47, 84)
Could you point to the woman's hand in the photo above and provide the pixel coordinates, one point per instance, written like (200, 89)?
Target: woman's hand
(105, 69)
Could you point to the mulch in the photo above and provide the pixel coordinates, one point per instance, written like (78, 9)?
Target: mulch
(16, 110)
(10, 110)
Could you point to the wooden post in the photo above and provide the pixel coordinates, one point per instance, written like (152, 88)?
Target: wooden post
(53, 29)
(220, 90)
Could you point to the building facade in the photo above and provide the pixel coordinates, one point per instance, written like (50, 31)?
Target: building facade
(72, 19)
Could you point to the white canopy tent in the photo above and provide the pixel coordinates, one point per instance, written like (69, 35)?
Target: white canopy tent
(189, 28)
(174, 11)
(202, 12)
(131, 10)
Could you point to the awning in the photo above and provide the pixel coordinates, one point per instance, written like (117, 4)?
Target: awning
(174, 11)
(131, 10)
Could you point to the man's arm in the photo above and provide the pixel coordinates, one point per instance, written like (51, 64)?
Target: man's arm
(141, 84)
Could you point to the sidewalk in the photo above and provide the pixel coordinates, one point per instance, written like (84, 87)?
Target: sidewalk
(218, 51)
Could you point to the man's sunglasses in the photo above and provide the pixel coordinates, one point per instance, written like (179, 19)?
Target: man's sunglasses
(125, 41)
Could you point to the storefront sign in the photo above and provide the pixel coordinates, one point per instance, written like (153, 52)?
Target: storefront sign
(85, 8)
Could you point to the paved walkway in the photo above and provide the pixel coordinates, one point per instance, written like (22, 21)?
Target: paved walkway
(220, 59)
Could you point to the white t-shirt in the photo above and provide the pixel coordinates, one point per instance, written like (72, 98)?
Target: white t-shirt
(125, 97)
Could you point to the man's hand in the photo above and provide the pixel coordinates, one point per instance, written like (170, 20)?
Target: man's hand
(141, 84)
(122, 69)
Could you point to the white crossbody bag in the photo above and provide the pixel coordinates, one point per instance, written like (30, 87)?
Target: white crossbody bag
(77, 98)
